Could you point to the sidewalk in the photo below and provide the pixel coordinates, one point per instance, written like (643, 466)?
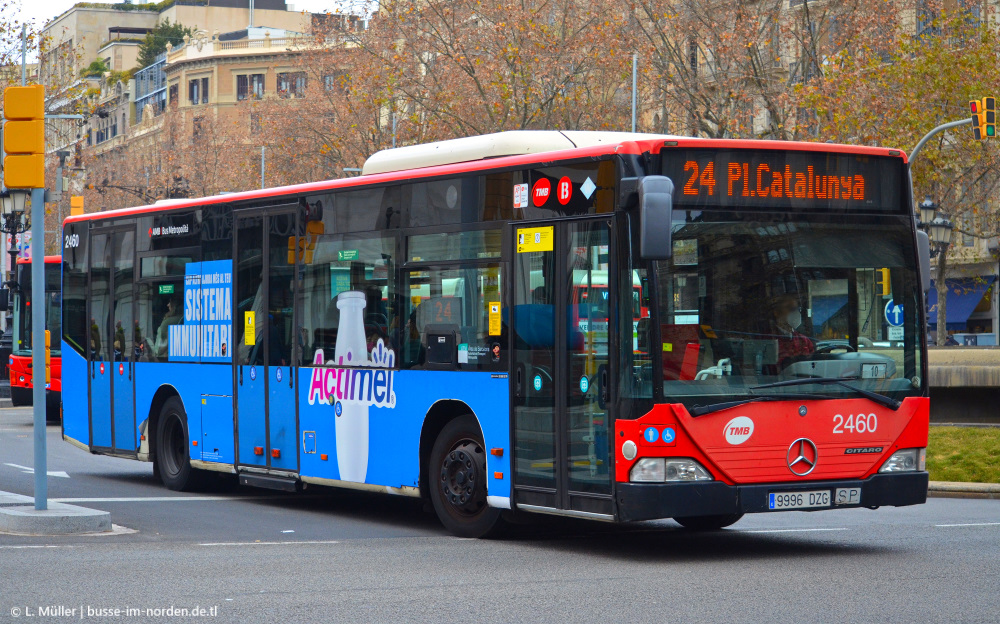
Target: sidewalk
(19, 516)
(957, 489)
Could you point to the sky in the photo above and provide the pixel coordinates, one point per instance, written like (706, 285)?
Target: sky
(40, 11)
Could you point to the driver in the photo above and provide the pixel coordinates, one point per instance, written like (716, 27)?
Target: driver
(786, 317)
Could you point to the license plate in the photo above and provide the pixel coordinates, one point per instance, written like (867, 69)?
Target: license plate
(847, 496)
(798, 500)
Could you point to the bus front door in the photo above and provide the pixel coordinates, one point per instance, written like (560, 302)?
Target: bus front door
(112, 333)
(267, 422)
(562, 366)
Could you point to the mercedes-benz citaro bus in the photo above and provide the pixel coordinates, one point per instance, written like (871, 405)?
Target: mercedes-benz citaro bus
(414, 330)
(19, 362)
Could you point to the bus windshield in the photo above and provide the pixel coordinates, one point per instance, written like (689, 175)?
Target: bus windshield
(22, 309)
(753, 299)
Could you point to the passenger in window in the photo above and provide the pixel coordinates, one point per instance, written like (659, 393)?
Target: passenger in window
(139, 343)
(95, 338)
(119, 343)
(173, 316)
(786, 318)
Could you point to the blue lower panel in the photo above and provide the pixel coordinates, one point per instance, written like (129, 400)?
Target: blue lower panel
(75, 415)
(216, 429)
(281, 419)
(124, 412)
(380, 432)
(192, 381)
(252, 431)
(100, 403)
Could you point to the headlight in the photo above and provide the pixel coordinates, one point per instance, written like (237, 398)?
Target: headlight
(648, 469)
(671, 469)
(906, 460)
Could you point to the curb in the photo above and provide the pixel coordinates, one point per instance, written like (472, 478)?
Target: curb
(955, 489)
(19, 516)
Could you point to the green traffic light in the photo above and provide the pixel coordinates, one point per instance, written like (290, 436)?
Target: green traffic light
(991, 130)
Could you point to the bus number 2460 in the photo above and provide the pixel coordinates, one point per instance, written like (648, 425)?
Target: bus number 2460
(72, 241)
(855, 424)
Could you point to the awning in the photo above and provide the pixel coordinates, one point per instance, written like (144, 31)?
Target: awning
(964, 294)
(825, 307)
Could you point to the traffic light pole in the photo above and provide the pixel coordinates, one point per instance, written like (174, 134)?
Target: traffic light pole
(929, 135)
(38, 344)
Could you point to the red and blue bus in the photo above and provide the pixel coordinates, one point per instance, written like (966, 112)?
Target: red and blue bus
(420, 330)
(19, 362)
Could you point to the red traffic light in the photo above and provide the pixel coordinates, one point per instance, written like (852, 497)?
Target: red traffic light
(974, 106)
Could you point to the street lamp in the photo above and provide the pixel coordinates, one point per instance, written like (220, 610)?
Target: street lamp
(940, 232)
(13, 202)
(938, 227)
(928, 210)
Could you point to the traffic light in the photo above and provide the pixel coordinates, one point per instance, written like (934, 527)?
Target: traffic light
(984, 118)
(977, 119)
(24, 137)
(48, 357)
(990, 112)
(885, 285)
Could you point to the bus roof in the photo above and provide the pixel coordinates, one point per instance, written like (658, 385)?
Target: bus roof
(466, 155)
(48, 260)
(491, 146)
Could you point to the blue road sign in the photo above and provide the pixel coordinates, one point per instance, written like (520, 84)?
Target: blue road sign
(893, 313)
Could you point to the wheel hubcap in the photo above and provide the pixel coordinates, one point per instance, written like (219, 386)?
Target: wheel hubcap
(463, 477)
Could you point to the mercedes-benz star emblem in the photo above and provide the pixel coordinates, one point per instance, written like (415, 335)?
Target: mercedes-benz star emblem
(802, 457)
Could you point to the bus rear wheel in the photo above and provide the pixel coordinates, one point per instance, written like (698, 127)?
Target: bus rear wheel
(172, 461)
(456, 478)
(708, 523)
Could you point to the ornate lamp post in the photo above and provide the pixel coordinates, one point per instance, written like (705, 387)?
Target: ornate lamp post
(14, 203)
(939, 229)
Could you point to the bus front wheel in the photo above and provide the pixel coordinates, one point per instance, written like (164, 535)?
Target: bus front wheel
(456, 478)
(172, 460)
(708, 523)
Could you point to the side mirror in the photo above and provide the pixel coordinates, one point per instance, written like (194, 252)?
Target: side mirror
(656, 206)
(4, 299)
(924, 259)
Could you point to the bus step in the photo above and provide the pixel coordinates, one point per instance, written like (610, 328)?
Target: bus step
(285, 484)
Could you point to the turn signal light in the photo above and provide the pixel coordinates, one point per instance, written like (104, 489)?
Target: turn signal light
(276, 453)
(323, 456)
(258, 450)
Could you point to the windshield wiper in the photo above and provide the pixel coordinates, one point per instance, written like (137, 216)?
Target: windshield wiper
(881, 399)
(701, 410)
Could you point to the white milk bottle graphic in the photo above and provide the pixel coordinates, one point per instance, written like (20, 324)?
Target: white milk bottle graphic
(352, 422)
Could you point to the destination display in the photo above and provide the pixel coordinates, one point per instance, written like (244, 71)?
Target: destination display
(785, 179)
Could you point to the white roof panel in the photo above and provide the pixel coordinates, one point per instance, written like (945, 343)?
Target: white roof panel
(511, 143)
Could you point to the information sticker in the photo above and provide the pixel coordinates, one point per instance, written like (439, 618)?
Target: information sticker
(534, 239)
(495, 318)
(249, 331)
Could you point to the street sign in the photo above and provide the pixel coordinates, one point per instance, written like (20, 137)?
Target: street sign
(893, 313)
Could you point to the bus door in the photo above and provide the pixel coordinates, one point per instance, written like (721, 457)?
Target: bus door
(563, 361)
(264, 272)
(112, 333)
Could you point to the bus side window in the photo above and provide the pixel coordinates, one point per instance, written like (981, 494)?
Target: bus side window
(335, 263)
(458, 311)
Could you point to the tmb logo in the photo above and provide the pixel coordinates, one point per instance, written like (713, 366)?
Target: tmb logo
(738, 430)
(540, 192)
